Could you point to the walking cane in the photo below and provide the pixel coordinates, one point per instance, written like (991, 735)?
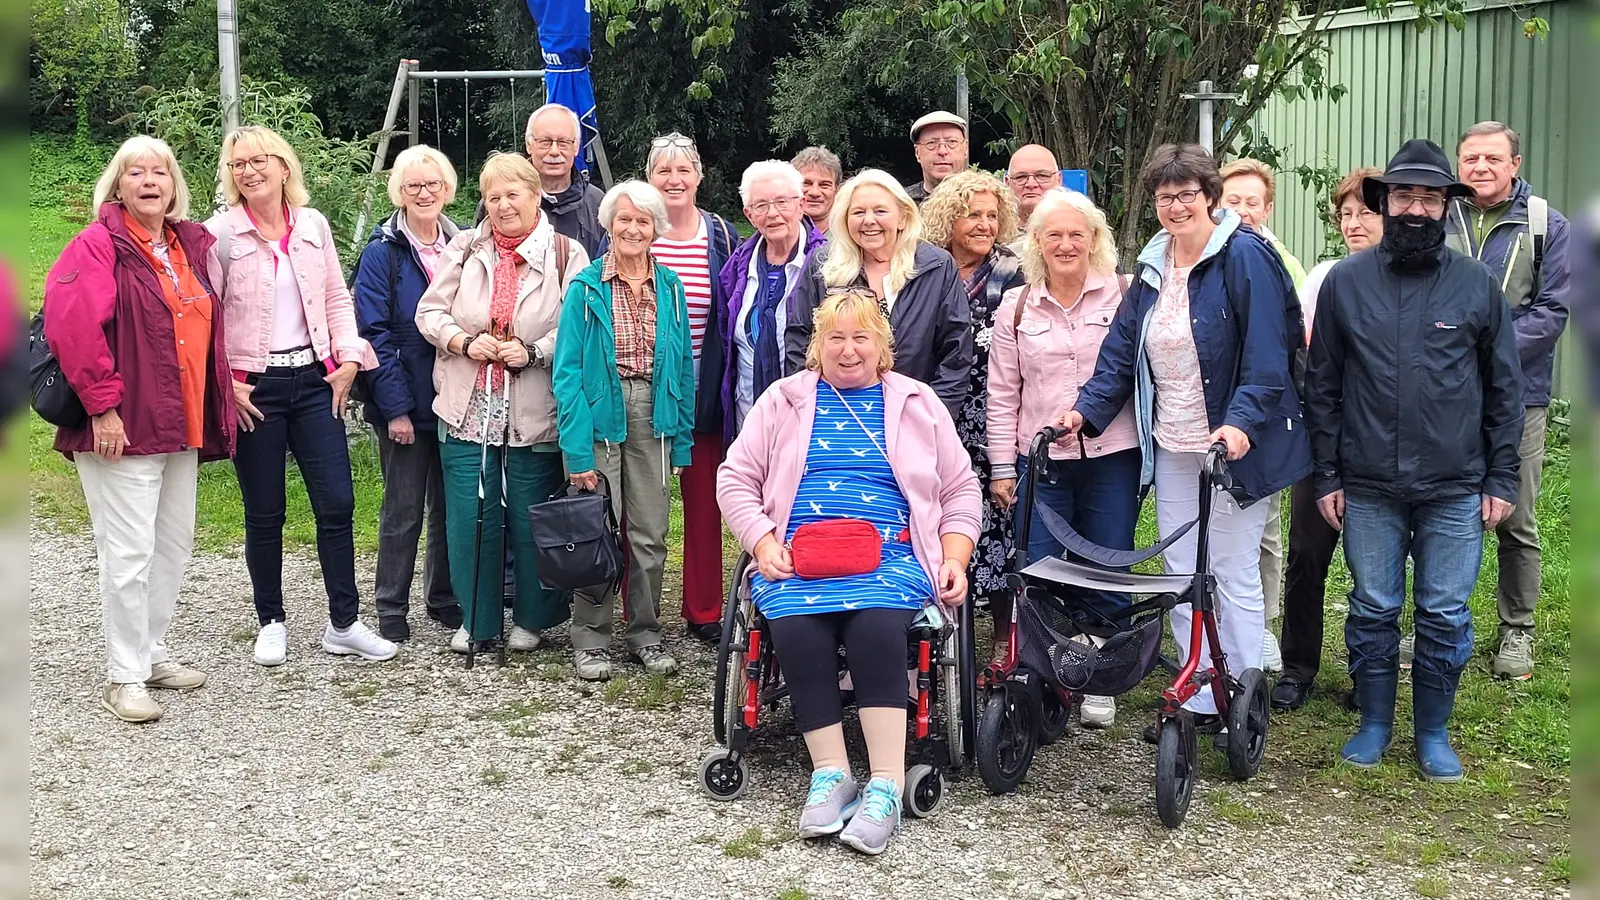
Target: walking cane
(477, 536)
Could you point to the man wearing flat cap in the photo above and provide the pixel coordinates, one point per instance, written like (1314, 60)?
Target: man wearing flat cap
(940, 140)
(1414, 405)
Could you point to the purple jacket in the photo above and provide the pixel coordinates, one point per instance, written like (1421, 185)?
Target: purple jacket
(732, 278)
(110, 328)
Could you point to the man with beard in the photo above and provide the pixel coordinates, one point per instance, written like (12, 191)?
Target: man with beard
(1524, 243)
(1414, 405)
(552, 140)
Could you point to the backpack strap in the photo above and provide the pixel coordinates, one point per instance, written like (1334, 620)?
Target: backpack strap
(224, 244)
(1538, 226)
(563, 249)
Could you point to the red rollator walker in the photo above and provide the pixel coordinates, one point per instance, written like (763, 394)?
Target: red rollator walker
(1064, 647)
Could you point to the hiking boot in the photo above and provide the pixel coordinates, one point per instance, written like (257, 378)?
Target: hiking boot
(1408, 645)
(1376, 684)
(655, 660)
(591, 665)
(272, 645)
(1515, 659)
(522, 640)
(832, 800)
(1433, 697)
(1097, 712)
(875, 820)
(130, 702)
(1271, 653)
(448, 616)
(357, 640)
(174, 677)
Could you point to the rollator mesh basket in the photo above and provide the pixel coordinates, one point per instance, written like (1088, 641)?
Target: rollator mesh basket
(1052, 642)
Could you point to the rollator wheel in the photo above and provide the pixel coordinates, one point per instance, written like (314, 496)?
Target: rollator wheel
(1248, 716)
(721, 777)
(1053, 718)
(1007, 737)
(729, 689)
(924, 791)
(1176, 762)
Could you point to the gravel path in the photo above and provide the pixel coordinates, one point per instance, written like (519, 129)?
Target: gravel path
(343, 779)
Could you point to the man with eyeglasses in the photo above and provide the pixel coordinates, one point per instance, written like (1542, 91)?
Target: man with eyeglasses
(1524, 243)
(1031, 171)
(1414, 407)
(572, 203)
(940, 141)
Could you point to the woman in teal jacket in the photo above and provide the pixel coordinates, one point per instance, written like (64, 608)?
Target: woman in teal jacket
(623, 375)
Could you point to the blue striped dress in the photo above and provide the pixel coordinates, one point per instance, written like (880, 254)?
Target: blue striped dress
(846, 477)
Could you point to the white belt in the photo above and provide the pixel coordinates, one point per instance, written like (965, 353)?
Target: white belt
(293, 359)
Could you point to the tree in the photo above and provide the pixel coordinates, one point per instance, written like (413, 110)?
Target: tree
(81, 54)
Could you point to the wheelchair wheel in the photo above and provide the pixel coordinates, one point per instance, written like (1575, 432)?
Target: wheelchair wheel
(1053, 718)
(722, 777)
(728, 691)
(924, 791)
(1247, 725)
(1007, 737)
(1176, 761)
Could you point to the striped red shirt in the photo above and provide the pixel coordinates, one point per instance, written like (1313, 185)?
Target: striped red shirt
(691, 261)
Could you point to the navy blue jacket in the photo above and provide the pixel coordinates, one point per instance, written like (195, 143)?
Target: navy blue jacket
(1247, 327)
(389, 280)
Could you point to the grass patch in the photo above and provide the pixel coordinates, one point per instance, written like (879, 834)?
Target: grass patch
(493, 776)
(1433, 887)
(360, 694)
(747, 845)
(1234, 811)
(1559, 869)
(793, 893)
(617, 882)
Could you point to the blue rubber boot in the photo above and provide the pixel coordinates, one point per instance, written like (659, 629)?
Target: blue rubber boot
(1376, 685)
(1433, 697)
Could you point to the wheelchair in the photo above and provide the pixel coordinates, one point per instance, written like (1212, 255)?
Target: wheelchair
(942, 713)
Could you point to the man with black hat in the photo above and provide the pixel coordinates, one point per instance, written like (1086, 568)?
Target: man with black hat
(1414, 405)
(940, 140)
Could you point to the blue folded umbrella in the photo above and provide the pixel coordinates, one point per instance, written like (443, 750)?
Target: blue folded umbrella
(564, 40)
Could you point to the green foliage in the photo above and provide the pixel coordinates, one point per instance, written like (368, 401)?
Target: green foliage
(337, 171)
(81, 55)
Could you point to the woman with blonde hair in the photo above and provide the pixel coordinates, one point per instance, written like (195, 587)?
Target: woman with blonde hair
(295, 350)
(890, 456)
(973, 215)
(876, 246)
(138, 332)
(404, 253)
(491, 312)
(1047, 338)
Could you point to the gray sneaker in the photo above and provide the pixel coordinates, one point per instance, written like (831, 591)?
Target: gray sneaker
(592, 665)
(1408, 643)
(655, 660)
(1515, 659)
(831, 802)
(875, 822)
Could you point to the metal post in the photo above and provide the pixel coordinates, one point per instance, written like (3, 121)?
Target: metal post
(961, 94)
(602, 162)
(381, 154)
(228, 62)
(1204, 91)
(413, 107)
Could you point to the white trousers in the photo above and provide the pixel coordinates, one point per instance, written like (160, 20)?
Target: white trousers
(142, 508)
(1234, 548)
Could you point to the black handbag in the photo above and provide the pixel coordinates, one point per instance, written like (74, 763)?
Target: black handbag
(53, 399)
(576, 541)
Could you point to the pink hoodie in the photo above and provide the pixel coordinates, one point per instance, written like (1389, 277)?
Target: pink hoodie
(757, 484)
(1036, 370)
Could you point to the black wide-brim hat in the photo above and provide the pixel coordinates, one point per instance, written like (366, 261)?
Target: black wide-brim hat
(1419, 161)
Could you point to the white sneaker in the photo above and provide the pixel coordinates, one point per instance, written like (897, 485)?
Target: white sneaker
(523, 640)
(272, 644)
(1271, 656)
(460, 640)
(1097, 712)
(358, 640)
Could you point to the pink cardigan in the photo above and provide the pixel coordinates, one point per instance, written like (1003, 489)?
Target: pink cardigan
(757, 484)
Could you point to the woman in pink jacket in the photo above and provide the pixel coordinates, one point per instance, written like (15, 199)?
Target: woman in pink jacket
(849, 439)
(1046, 342)
(294, 349)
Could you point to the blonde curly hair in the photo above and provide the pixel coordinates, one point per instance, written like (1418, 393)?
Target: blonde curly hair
(952, 199)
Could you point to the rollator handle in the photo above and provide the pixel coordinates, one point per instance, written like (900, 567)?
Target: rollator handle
(1217, 466)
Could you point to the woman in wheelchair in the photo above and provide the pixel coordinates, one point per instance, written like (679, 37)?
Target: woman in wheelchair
(833, 463)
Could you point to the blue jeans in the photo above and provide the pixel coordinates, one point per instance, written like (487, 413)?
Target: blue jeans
(1099, 498)
(298, 406)
(1444, 539)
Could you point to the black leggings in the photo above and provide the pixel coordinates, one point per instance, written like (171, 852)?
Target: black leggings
(875, 651)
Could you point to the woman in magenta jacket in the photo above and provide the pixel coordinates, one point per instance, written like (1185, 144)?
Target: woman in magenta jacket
(847, 438)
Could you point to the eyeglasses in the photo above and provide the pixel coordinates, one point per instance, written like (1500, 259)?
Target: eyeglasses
(781, 205)
(564, 144)
(941, 143)
(672, 140)
(1400, 201)
(1166, 200)
(413, 188)
(1346, 215)
(1032, 177)
(259, 163)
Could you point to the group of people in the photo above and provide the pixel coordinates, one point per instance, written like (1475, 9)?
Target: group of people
(871, 352)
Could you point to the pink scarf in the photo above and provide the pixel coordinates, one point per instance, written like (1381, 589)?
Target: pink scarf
(502, 301)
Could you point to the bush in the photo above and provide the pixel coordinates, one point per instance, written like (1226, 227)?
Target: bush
(338, 172)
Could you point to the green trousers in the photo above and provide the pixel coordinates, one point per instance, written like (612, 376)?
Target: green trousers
(530, 477)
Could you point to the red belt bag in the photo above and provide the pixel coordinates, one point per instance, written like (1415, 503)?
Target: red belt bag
(836, 547)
